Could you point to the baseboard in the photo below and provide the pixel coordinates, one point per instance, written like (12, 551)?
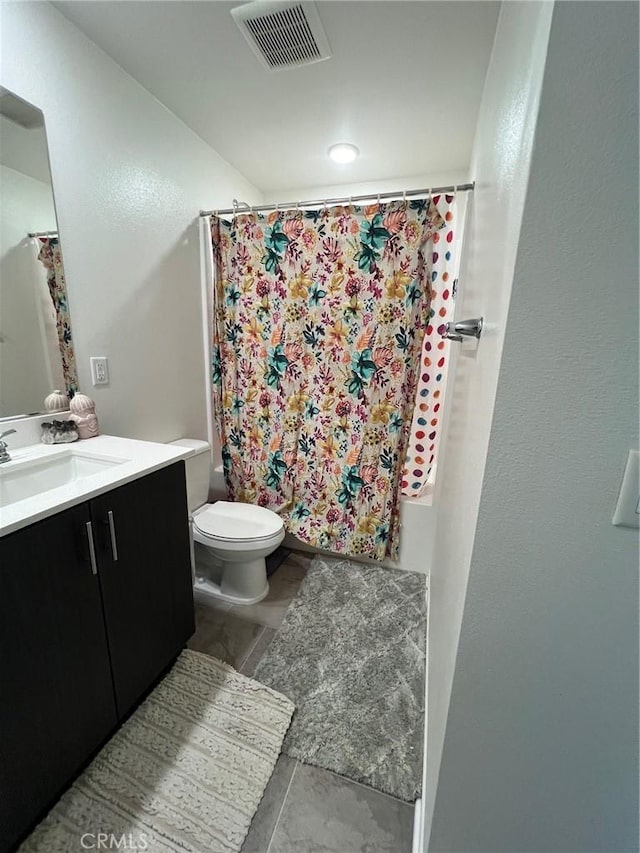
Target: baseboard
(416, 846)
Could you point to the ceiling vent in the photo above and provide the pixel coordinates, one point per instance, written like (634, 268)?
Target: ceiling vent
(282, 33)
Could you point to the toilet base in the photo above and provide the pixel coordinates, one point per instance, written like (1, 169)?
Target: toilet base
(210, 589)
(240, 582)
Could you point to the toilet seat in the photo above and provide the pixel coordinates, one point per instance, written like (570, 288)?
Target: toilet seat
(230, 522)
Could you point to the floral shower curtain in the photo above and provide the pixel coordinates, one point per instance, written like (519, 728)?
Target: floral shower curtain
(318, 323)
(50, 256)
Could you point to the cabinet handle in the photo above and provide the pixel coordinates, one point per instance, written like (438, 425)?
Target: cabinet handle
(112, 532)
(92, 549)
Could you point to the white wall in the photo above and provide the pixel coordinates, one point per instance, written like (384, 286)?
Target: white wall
(348, 188)
(26, 377)
(541, 749)
(129, 178)
(502, 152)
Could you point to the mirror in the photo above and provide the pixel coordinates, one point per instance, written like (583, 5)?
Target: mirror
(36, 344)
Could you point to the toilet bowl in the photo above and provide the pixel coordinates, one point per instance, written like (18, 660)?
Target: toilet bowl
(235, 537)
(239, 536)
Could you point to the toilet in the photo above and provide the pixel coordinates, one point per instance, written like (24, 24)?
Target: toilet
(231, 539)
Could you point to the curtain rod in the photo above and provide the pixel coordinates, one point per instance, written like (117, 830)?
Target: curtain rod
(42, 234)
(346, 200)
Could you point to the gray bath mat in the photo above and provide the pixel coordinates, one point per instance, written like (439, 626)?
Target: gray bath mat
(184, 774)
(351, 656)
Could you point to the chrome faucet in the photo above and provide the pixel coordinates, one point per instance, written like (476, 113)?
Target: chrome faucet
(4, 456)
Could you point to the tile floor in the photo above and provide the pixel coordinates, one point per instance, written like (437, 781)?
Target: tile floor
(304, 809)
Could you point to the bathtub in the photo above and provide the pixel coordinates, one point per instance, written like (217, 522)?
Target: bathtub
(417, 533)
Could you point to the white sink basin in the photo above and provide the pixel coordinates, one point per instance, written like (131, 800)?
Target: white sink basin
(44, 479)
(22, 479)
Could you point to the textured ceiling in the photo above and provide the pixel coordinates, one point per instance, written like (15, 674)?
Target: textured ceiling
(404, 84)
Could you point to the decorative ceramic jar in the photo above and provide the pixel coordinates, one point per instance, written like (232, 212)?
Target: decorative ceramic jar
(83, 413)
(57, 401)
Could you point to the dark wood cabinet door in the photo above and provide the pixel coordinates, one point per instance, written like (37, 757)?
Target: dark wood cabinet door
(56, 694)
(145, 576)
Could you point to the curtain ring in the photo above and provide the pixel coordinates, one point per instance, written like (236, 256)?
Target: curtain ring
(378, 199)
(404, 196)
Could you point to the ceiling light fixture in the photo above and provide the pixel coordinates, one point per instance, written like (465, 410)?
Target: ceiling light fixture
(343, 152)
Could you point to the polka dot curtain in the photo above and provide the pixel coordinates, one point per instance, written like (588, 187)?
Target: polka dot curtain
(427, 417)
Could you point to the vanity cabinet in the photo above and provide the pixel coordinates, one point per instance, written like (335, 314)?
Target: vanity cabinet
(95, 602)
(56, 702)
(142, 542)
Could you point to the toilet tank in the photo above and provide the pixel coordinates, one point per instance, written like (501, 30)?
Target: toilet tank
(198, 467)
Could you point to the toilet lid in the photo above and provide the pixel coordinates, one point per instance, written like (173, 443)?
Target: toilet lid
(237, 521)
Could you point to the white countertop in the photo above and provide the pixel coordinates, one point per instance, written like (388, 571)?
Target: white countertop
(140, 458)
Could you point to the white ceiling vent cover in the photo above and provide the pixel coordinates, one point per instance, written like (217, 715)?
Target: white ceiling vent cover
(283, 33)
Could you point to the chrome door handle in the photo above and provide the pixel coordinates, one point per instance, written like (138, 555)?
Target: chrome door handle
(112, 533)
(92, 549)
(464, 329)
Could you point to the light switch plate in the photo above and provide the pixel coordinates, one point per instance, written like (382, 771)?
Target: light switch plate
(99, 370)
(627, 512)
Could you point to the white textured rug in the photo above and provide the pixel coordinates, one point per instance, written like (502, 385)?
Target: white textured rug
(185, 773)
